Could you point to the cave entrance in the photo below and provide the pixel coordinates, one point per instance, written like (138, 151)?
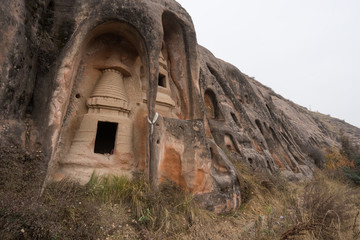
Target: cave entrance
(105, 137)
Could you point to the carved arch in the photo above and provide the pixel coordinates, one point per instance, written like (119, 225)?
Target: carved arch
(181, 48)
(212, 109)
(118, 49)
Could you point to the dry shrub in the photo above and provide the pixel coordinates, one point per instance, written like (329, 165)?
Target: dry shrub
(258, 182)
(324, 211)
(316, 154)
(245, 180)
(267, 196)
(299, 229)
(335, 160)
(352, 152)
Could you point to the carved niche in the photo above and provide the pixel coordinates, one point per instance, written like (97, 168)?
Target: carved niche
(109, 100)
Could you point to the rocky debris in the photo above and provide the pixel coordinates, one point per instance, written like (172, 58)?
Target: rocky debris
(118, 87)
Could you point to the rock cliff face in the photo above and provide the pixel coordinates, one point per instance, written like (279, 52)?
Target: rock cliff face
(119, 87)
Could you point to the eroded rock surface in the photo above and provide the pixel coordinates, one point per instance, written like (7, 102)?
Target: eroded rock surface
(119, 87)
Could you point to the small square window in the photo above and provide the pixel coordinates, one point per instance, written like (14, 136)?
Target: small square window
(162, 81)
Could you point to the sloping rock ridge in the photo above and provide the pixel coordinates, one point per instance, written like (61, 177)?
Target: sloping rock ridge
(120, 87)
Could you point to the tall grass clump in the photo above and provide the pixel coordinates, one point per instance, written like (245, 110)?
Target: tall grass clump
(121, 190)
(324, 211)
(167, 210)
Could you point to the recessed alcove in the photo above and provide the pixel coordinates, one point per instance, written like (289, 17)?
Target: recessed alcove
(235, 119)
(273, 134)
(230, 143)
(179, 51)
(258, 124)
(211, 106)
(166, 93)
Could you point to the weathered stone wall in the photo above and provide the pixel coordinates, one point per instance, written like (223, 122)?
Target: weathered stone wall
(134, 69)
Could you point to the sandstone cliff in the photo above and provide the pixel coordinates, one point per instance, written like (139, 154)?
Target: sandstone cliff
(119, 87)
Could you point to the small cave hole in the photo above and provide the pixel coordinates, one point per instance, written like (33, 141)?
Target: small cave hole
(77, 95)
(235, 119)
(247, 99)
(273, 134)
(250, 161)
(258, 124)
(158, 141)
(30, 106)
(268, 108)
(105, 137)
(211, 153)
(162, 81)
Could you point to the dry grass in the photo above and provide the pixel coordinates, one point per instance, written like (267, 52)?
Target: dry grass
(117, 208)
(163, 212)
(325, 209)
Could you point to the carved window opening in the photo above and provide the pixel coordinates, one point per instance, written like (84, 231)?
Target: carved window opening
(162, 81)
(105, 137)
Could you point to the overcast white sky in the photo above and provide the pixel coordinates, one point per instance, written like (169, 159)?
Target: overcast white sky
(308, 51)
